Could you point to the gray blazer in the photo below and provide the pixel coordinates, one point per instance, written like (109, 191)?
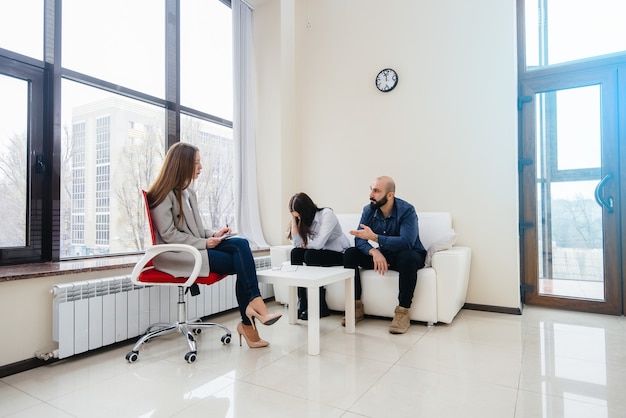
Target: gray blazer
(191, 232)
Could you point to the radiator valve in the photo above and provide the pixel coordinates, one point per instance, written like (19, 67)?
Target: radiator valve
(45, 356)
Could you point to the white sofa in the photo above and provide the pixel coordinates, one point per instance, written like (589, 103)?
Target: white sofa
(441, 287)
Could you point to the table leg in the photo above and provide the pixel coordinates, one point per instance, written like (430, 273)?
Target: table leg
(350, 320)
(293, 304)
(313, 307)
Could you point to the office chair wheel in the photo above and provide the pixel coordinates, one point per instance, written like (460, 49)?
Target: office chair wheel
(132, 356)
(190, 357)
(197, 331)
(226, 339)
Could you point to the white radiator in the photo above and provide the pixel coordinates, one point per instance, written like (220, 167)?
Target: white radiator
(91, 314)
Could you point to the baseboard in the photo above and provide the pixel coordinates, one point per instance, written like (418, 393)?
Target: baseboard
(490, 308)
(22, 366)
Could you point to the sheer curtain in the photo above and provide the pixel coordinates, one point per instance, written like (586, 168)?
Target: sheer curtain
(247, 215)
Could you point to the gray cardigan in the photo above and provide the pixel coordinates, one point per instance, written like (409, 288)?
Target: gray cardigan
(191, 232)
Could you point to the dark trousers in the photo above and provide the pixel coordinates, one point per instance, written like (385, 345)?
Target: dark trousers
(321, 258)
(405, 262)
(233, 256)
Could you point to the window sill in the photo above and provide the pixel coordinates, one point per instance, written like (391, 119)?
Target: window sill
(87, 265)
(60, 268)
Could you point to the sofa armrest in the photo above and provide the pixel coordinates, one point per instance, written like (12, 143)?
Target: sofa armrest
(279, 254)
(453, 269)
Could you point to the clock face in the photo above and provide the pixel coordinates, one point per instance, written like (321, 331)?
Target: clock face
(386, 80)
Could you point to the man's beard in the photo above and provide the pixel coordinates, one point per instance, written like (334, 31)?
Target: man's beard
(377, 204)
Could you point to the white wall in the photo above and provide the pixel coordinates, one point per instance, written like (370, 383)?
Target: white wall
(447, 133)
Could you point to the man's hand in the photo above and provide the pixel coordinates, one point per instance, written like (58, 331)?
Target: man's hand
(380, 262)
(366, 233)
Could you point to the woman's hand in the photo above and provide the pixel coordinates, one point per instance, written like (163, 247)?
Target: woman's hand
(222, 232)
(217, 237)
(293, 226)
(213, 242)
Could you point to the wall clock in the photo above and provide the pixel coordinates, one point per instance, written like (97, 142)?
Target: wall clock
(386, 80)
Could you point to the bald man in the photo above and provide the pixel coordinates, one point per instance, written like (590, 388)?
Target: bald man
(392, 223)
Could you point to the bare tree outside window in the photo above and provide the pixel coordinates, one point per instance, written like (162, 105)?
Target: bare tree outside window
(13, 160)
(140, 160)
(13, 188)
(214, 187)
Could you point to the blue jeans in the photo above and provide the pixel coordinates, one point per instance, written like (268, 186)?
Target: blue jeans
(233, 256)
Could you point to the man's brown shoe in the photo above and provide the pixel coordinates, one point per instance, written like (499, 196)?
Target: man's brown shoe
(359, 313)
(401, 321)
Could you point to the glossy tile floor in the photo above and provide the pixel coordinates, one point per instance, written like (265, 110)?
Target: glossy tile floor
(544, 363)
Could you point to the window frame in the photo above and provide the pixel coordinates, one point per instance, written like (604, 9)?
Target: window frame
(45, 130)
(37, 225)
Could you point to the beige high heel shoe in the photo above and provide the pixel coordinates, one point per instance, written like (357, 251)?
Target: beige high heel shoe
(252, 311)
(251, 335)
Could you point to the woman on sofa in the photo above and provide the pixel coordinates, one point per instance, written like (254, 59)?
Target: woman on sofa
(318, 240)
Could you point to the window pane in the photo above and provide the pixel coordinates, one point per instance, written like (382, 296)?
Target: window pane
(112, 148)
(215, 184)
(568, 30)
(122, 42)
(206, 57)
(578, 128)
(13, 160)
(570, 233)
(21, 27)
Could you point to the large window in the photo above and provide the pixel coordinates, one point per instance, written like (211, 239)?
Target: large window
(133, 78)
(560, 31)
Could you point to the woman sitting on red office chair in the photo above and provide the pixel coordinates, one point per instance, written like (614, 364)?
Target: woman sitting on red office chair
(176, 219)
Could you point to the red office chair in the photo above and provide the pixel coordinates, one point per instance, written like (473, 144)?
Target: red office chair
(144, 274)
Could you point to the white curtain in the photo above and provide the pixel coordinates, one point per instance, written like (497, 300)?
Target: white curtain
(247, 215)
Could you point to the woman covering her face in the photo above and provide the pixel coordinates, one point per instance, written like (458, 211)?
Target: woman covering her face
(318, 240)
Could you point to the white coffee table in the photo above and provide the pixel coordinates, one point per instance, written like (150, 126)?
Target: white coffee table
(312, 278)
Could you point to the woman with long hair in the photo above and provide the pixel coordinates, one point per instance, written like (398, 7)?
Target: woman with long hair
(176, 219)
(318, 240)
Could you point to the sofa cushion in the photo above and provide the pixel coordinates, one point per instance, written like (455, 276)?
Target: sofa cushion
(444, 242)
(433, 225)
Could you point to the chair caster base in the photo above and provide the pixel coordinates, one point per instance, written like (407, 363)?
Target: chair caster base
(132, 356)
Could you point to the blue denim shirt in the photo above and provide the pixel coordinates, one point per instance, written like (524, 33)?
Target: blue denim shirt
(398, 231)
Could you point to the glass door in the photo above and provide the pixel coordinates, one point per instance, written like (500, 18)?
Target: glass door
(570, 191)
